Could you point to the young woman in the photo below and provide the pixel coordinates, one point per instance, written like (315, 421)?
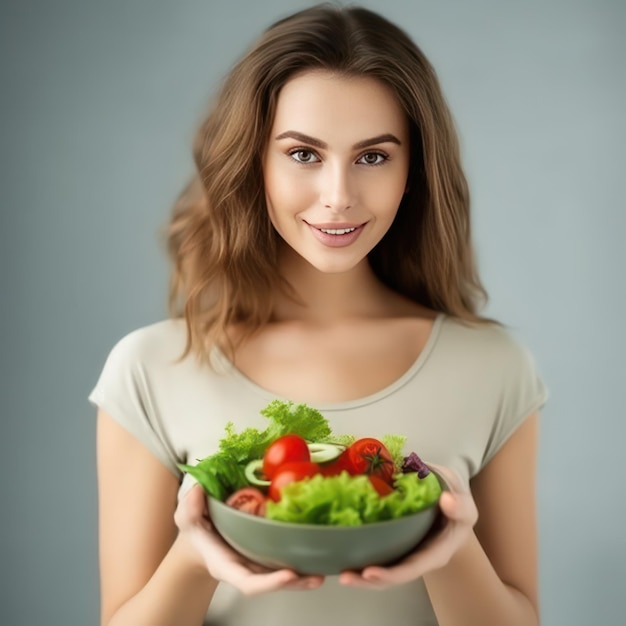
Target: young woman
(322, 254)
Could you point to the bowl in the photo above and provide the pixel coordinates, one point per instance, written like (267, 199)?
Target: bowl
(320, 549)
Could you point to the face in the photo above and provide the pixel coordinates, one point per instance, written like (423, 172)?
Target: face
(335, 167)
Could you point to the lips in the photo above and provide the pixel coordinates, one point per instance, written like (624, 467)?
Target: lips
(336, 235)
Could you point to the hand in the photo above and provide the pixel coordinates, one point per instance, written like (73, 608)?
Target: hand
(460, 513)
(225, 564)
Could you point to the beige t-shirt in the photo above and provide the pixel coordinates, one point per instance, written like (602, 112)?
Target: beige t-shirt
(467, 392)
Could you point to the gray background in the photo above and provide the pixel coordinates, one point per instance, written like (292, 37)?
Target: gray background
(99, 101)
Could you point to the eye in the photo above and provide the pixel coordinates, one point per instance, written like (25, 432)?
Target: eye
(373, 158)
(304, 156)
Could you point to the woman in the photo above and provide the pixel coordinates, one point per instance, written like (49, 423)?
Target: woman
(322, 254)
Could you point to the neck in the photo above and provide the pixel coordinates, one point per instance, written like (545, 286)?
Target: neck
(324, 297)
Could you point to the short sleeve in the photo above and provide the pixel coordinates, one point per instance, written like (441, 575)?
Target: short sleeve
(123, 391)
(522, 392)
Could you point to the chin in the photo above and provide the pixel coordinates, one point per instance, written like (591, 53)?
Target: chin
(328, 262)
(334, 267)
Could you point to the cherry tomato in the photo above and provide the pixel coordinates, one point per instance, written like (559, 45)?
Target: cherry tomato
(383, 488)
(369, 456)
(289, 473)
(286, 449)
(248, 500)
(336, 466)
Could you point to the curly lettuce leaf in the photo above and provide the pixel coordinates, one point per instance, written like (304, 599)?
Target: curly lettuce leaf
(284, 418)
(395, 445)
(342, 440)
(412, 494)
(298, 419)
(346, 500)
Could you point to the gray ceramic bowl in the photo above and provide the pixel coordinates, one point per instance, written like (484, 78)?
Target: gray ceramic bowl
(316, 549)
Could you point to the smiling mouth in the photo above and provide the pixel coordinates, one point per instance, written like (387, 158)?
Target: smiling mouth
(335, 228)
(337, 231)
(337, 234)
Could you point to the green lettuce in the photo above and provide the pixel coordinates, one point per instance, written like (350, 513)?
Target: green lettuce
(412, 493)
(223, 473)
(284, 418)
(346, 500)
(395, 446)
(220, 475)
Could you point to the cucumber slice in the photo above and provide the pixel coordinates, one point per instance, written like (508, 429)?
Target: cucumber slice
(325, 452)
(252, 471)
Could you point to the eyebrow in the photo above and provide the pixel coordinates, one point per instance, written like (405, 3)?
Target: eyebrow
(366, 143)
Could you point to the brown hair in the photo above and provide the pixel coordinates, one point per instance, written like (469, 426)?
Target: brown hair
(220, 238)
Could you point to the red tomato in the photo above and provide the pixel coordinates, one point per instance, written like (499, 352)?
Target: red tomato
(289, 473)
(369, 456)
(248, 500)
(336, 466)
(383, 488)
(286, 449)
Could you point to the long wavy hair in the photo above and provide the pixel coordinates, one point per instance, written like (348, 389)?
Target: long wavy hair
(220, 238)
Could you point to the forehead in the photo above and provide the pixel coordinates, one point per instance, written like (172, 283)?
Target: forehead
(333, 107)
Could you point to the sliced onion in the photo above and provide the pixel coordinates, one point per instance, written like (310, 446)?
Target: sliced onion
(251, 473)
(325, 452)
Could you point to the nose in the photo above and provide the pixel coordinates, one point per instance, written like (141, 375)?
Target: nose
(336, 188)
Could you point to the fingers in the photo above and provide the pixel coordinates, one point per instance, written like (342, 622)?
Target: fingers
(251, 583)
(192, 509)
(196, 498)
(458, 507)
(304, 583)
(436, 555)
(223, 562)
(460, 515)
(277, 581)
(227, 565)
(453, 481)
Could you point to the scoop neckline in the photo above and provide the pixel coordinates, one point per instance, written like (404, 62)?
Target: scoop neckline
(229, 367)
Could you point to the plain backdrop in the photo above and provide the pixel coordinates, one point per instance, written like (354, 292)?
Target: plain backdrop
(98, 105)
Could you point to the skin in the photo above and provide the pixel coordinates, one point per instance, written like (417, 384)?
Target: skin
(335, 166)
(485, 556)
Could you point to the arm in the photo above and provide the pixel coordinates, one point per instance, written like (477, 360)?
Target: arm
(147, 575)
(492, 579)
(487, 575)
(151, 572)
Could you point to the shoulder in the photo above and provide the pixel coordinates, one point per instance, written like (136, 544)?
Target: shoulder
(165, 339)
(494, 375)
(488, 354)
(141, 353)
(487, 340)
(491, 353)
(137, 378)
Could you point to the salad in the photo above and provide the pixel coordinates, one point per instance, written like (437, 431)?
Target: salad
(297, 470)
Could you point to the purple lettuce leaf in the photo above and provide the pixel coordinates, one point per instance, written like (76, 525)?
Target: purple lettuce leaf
(413, 463)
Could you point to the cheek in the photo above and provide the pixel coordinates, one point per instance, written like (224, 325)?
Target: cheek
(386, 196)
(287, 191)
